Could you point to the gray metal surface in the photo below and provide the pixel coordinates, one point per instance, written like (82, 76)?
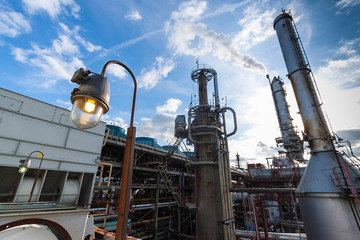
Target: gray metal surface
(70, 154)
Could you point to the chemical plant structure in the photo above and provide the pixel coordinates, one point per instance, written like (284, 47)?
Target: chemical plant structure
(327, 187)
(62, 182)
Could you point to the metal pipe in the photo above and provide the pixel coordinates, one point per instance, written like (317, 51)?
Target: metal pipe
(156, 206)
(102, 164)
(127, 168)
(216, 89)
(263, 190)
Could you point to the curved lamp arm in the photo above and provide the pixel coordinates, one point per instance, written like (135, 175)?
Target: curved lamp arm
(135, 85)
(37, 174)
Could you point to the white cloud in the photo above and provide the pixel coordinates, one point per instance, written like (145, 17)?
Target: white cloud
(161, 127)
(161, 69)
(171, 106)
(64, 104)
(12, 23)
(349, 47)
(256, 27)
(56, 62)
(189, 37)
(51, 7)
(345, 67)
(119, 46)
(118, 121)
(225, 8)
(134, 15)
(116, 71)
(347, 3)
(75, 34)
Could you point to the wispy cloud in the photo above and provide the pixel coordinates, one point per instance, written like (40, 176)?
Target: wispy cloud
(160, 70)
(187, 36)
(12, 23)
(347, 3)
(225, 8)
(51, 7)
(58, 61)
(119, 46)
(134, 15)
(345, 67)
(64, 104)
(256, 27)
(339, 83)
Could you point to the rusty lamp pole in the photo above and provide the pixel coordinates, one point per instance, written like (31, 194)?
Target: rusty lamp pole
(90, 102)
(25, 165)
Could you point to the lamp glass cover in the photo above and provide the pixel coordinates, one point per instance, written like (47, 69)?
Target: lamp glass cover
(22, 169)
(86, 112)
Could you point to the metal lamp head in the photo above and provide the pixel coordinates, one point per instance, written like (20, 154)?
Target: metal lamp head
(90, 100)
(24, 165)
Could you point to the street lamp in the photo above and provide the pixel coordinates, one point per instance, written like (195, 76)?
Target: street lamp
(25, 165)
(90, 101)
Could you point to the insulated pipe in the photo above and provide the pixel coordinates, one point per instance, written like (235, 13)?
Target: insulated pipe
(216, 88)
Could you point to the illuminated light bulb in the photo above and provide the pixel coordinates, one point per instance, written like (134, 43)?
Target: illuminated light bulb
(22, 169)
(90, 105)
(86, 112)
(24, 165)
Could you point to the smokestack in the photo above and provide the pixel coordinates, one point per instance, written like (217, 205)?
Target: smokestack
(325, 211)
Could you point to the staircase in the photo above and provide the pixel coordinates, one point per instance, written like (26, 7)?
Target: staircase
(165, 175)
(170, 185)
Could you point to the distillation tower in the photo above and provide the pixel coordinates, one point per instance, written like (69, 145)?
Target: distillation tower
(207, 131)
(289, 138)
(327, 214)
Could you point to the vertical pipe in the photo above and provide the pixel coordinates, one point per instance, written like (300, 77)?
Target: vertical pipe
(216, 89)
(126, 181)
(157, 206)
(203, 98)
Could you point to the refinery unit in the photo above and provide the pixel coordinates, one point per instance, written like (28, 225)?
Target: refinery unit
(187, 188)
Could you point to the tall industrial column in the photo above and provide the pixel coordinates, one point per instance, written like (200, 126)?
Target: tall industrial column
(207, 130)
(325, 212)
(289, 138)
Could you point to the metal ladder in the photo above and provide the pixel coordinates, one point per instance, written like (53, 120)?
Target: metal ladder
(170, 185)
(165, 175)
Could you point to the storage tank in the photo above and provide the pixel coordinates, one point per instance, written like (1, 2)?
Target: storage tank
(116, 131)
(326, 213)
(148, 141)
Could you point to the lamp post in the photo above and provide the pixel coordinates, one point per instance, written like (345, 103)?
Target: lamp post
(25, 165)
(90, 101)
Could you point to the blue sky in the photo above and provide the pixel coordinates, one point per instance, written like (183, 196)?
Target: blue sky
(42, 43)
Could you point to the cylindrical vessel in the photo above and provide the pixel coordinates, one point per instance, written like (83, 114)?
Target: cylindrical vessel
(281, 106)
(326, 214)
(299, 73)
(289, 139)
(214, 212)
